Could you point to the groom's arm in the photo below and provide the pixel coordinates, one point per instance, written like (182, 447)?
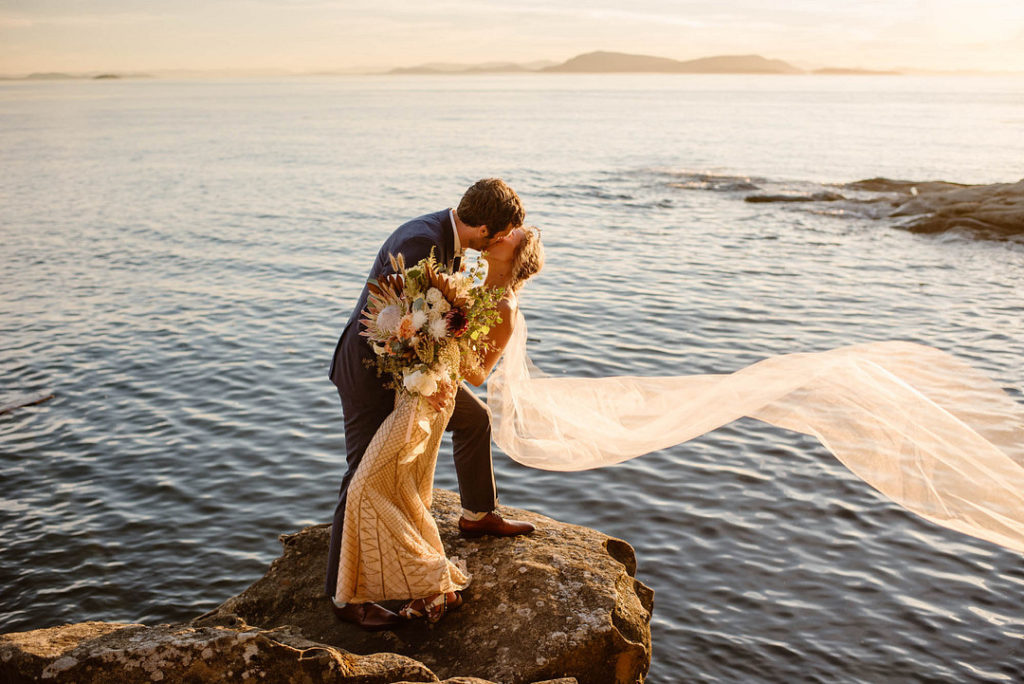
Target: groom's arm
(413, 251)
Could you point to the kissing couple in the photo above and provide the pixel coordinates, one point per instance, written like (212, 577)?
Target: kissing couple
(384, 542)
(919, 425)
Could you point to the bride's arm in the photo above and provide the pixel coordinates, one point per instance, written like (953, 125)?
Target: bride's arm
(496, 339)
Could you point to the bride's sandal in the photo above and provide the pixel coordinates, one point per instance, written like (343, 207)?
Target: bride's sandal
(431, 608)
(440, 606)
(414, 609)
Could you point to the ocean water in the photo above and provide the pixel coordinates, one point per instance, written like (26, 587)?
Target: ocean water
(178, 259)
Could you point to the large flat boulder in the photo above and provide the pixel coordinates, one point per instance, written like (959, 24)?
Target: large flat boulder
(560, 602)
(103, 652)
(560, 606)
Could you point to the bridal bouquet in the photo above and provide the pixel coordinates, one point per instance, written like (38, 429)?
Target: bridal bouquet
(426, 325)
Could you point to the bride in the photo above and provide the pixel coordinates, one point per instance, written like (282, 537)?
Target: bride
(390, 546)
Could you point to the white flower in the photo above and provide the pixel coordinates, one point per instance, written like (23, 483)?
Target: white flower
(419, 382)
(389, 318)
(438, 328)
(440, 373)
(442, 306)
(434, 296)
(419, 318)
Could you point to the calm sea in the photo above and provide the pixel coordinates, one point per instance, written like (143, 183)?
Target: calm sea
(178, 259)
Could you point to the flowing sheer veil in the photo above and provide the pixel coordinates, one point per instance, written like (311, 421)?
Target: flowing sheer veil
(915, 423)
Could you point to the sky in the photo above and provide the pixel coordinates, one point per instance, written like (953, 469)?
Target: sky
(324, 35)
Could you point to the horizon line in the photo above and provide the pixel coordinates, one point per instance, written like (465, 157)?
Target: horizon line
(469, 71)
(440, 68)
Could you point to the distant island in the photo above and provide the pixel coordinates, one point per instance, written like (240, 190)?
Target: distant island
(598, 62)
(60, 76)
(602, 62)
(50, 76)
(832, 71)
(617, 62)
(488, 68)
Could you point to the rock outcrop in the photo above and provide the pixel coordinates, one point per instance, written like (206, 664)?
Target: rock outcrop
(560, 602)
(103, 652)
(814, 197)
(993, 211)
(558, 606)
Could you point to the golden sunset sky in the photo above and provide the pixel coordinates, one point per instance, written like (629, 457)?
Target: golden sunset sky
(314, 35)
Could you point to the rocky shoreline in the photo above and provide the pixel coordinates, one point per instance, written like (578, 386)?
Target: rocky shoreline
(993, 211)
(560, 605)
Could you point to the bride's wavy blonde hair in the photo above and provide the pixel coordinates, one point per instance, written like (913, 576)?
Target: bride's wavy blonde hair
(528, 259)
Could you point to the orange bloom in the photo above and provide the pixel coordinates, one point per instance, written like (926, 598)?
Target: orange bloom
(405, 327)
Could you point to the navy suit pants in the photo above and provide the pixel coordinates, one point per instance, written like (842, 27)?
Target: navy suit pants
(470, 426)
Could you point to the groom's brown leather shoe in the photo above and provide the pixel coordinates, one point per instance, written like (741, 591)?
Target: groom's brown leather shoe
(370, 616)
(493, 524)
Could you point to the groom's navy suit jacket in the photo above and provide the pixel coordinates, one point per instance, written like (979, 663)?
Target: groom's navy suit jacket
(366, 402)
(413, 240)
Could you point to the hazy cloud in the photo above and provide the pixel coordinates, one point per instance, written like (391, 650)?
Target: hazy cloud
(300, 35)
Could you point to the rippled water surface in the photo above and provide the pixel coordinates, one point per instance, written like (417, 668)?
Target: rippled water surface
(179, 257)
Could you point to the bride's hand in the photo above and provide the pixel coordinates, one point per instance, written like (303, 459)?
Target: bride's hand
(445, 393)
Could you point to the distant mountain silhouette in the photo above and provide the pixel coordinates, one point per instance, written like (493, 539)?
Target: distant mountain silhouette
(617, 62)
(838, 71)
(61, 76)
(50, 76)
(503, 68)
(603, 62)
(486, 68)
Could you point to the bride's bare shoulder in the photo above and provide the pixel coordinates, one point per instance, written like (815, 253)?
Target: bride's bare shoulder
(508, 307)
(497, 338)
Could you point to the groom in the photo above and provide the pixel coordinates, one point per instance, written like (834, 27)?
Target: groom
(486, 213)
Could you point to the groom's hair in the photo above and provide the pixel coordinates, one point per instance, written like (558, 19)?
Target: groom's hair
(490, 202)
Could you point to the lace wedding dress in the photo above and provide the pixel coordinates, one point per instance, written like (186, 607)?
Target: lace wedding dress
(390, 546)
(915, 423)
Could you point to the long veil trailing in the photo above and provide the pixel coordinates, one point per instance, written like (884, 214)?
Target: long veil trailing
(918, 425)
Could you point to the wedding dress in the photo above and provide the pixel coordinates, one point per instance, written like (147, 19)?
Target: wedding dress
(390, 546)
(915, 423)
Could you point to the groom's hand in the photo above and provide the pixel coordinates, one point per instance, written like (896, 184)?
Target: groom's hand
(445, 393)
